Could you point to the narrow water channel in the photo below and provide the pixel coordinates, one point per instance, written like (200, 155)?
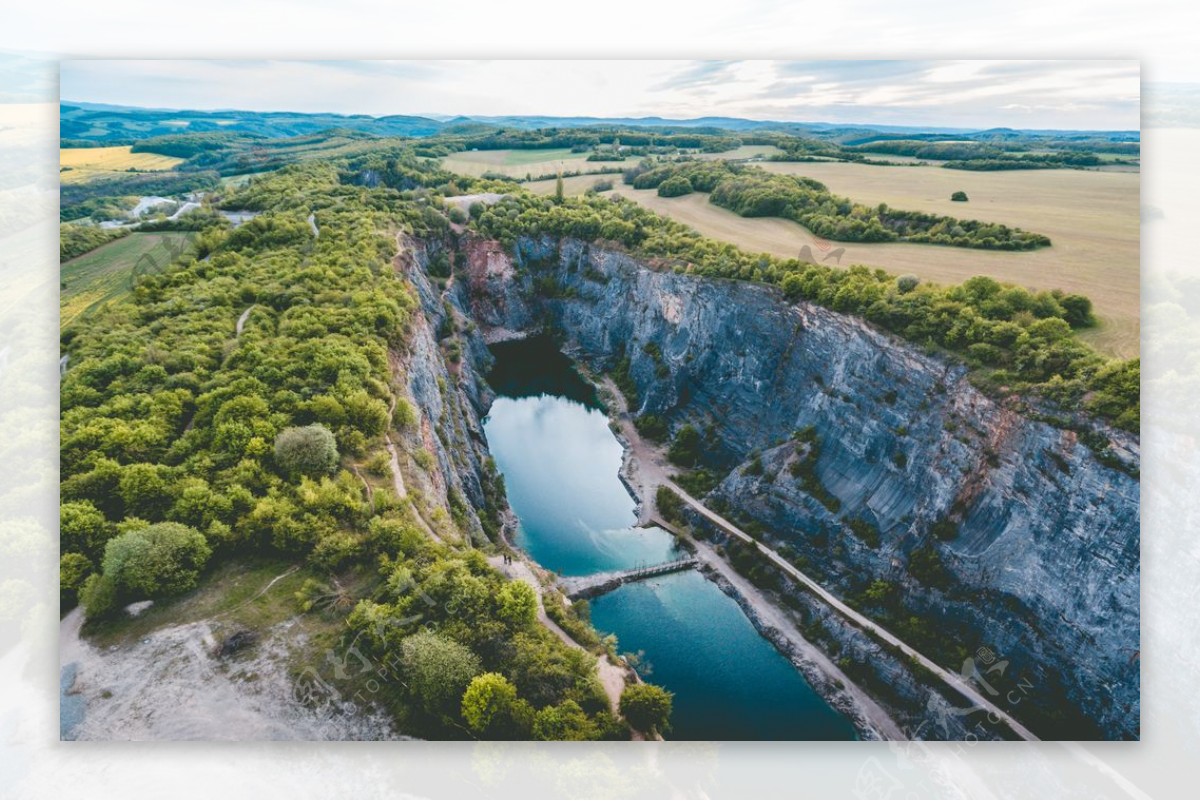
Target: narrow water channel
(551, 440)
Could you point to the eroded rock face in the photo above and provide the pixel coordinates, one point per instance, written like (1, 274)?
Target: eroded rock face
(1040, 537)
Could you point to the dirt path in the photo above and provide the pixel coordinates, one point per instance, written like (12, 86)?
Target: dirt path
(612, 677)
(646, 469)
(242, 320)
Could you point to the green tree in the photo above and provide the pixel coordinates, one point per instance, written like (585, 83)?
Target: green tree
(307, 450)
(675, 186)
(1078, 310)
(98, 596)
(491, 706)
(959, 196)
(685, 448)
(73, 570)
(516, 604)
(437, 670)
(156, 561)
(82, 527)
(647, 707)
(566, 721)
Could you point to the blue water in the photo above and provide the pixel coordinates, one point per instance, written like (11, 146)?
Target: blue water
(552, 442)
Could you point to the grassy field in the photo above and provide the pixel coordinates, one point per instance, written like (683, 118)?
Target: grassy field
(743, 152)
(518, 163)
(87, 163)
(105, 273)
(1091, 217)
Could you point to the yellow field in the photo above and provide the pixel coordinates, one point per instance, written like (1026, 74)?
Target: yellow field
(1090, 216)
(86, 163)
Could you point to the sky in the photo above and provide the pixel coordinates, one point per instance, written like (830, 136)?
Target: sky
(1080, 95)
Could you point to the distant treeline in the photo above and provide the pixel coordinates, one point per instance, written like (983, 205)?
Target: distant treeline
(100, 198)
(752, 192)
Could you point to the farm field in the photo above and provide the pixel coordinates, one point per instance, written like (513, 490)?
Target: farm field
(104, 274)
(86, 163)
(1091, 217)
(517, 163)
(743, 152)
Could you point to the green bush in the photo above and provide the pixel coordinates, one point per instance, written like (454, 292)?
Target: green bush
(675, 186)
(73, 571)
(98, 596)
(685, 449)
(306, 450)
(646, 707)
(437, 670)
(156, 561)
(959, 197)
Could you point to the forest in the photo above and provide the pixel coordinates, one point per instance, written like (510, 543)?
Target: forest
(185, 446)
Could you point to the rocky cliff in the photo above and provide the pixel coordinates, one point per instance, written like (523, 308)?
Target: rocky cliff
(989, 535)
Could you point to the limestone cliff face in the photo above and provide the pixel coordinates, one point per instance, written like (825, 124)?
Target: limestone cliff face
(1044, 562)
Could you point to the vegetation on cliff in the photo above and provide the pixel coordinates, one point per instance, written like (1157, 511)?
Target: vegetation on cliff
(182, 437)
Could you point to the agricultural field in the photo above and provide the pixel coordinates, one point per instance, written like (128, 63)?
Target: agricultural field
(743, 152)
(80, 164)
(572, 184)
(517, 163)
(1090, 216)
(106, 273)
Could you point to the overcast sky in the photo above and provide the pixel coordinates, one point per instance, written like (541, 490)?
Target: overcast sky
(970, 94)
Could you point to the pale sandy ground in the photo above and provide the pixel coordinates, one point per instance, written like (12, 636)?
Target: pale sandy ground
(169, 685)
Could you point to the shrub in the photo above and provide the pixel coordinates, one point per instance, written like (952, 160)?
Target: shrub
(646, 707)
(652, 427)
(907, 283)
(567, 721)
(675, 186)
(437, 670)
(156, 561)
(73, 570)
(98, 596)
(959, 197)
(457, 215)
(306, 450)
(490, 705)
(685, 448)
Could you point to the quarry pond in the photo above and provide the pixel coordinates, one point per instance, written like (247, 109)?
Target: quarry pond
(551, 440)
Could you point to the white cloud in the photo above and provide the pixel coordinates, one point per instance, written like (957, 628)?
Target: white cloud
(1050, 94)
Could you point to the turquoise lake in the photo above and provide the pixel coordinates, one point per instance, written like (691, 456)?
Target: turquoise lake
(551, 440)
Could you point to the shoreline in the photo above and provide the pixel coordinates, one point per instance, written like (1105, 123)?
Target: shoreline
(642, 472)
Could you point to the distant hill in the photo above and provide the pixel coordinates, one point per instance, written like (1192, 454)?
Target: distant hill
(82, 122)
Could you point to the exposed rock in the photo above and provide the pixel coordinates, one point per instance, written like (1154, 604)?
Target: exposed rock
(235, 642)
(1042, 536)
